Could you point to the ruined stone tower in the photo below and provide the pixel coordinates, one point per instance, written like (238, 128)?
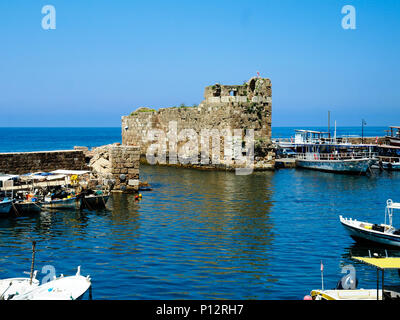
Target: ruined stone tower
(246, 106)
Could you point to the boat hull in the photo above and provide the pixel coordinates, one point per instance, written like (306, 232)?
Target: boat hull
(352, 166)
(5, 207)
(63, 288)
(360, 234)
(64, 204)
(16, 286)
(95, 202)
(26, 208)
(394, 141)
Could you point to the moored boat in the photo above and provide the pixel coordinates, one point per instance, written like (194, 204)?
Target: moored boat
(62, 288)
(71, 203)
(334, 163)
(5, 206)
(384, 233)
(95, 201)
(393, 136)
(26, 207)
(16, 286)
(350, 292)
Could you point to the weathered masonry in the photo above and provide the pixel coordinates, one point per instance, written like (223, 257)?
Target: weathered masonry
(29, 162)
(119, 164)
(246, 106)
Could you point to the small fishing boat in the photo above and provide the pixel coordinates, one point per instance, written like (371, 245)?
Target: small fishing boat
(346, 288)
(26, 207)
(5, 206)
(393, 136)
(383, 233)
(95, 201)
(70, 203)
(62, 288)
(17, 286)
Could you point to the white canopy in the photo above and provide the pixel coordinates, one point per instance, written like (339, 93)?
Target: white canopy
(7, 177)
(68, 172)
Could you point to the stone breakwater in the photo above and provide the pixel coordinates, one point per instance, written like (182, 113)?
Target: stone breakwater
(29, 162)
(225, 107)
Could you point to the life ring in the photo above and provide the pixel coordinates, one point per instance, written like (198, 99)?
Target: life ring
(315, 156)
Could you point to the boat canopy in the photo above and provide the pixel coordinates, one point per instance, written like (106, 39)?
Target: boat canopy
(7, 177)
(70, 172)
(381, 263)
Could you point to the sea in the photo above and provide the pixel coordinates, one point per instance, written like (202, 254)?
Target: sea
(202, 234)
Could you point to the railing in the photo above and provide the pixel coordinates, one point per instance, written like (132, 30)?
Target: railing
(389, 159)
(318, 141)
(336, 156)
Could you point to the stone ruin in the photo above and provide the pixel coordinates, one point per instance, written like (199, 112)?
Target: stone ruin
(246, 106)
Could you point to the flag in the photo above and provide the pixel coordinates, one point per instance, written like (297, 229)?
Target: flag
(322, 267)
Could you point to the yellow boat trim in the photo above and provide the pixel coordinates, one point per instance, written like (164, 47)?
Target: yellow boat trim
(315, 293)
(381, 263)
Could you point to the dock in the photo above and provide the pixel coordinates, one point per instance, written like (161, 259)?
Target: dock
(285, 163)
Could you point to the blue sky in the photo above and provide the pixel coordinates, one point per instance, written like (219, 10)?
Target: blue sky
(106, 58)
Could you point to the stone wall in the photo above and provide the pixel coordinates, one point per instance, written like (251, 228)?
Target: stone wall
(29, 162)
(125, 167)
(117, 164)
(246, 106)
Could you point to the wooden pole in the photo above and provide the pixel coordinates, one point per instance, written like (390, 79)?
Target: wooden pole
(33, 260)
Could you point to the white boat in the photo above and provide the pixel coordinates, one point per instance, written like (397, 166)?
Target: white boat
(382, 264)
(17, 286)
(383, 233)
(334, 163)
(393, 135)
(5, 206)
(318, 151)
(62, 288)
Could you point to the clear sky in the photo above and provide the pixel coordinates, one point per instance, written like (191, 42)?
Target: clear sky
(106, 58)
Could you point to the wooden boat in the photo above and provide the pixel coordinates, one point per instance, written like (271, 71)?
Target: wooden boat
(5, 206)
(334, 163)
(26, 207)
(381, 264)
(393, 136)
(383, 233)
(71, 203)
(16, 286)
(317, 150)
(94, 201)
(62, 288)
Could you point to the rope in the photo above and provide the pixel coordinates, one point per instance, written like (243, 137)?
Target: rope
(16, 211)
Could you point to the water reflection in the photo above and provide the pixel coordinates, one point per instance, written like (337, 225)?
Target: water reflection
(207, 234)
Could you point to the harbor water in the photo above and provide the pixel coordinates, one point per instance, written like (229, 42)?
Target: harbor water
(208, 235)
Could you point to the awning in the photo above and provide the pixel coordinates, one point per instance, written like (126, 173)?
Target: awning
(7, 177)
(381, 263)
(70, 172)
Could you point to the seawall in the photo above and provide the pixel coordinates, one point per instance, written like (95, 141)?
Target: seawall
(29, 162)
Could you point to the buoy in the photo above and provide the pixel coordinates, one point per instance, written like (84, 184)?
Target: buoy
(307, 297)
(140, 195)
(136, 197)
